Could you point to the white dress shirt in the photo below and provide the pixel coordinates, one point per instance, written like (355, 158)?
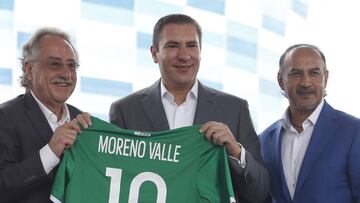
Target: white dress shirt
(294, 145)
(47, 156)
(183, 114)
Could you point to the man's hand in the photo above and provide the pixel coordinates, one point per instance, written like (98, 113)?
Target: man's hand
(220, 134)
(65, 135)
(83, 119)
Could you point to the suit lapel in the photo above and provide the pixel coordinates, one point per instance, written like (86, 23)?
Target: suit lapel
(276, 151)
(205, 108)
(37, 118)
(73, 111)
(154, 109)
(323, 131)
(277, 147)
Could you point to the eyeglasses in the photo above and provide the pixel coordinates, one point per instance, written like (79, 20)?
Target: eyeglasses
(58, 65)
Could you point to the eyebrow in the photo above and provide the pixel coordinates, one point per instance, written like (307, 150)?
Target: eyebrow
(171, 42)
(59, 59)
(176, 42)
(192, 42)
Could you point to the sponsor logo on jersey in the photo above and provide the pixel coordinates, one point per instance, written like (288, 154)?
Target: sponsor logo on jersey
(143, 134)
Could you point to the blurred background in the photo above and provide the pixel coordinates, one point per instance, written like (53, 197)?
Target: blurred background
(242, 42)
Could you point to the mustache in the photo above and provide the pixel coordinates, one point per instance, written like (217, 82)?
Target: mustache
(305, 90)
(62, 80)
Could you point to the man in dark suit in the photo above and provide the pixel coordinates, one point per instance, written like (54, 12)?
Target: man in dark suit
(313, 152)
(37, 126)
(178, 100)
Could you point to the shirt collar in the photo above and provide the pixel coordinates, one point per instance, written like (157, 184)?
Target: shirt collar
(311, 120)
(49, 115)
(193, 92)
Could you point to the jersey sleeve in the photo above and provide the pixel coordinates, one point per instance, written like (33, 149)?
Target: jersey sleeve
(63, 176)
(214, 180)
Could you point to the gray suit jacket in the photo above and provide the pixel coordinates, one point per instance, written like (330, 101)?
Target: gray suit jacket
(24, 130)
(143, 110)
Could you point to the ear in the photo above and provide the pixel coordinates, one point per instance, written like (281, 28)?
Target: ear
(153, 53)
(28, 68)
(326, 77)
(280, 81)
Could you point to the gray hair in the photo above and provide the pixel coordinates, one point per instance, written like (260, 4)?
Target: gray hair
(31, 48)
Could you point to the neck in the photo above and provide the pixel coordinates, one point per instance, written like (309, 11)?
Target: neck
(179, 96)
(55, 107)
(57, 110)
(179, 92)
(297, 118)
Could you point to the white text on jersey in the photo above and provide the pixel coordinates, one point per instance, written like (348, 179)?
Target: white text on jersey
(139, 149)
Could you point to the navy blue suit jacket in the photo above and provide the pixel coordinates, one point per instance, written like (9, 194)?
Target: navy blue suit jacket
(330, 172)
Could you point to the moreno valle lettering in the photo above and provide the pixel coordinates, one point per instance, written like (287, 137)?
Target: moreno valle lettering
(139, 148)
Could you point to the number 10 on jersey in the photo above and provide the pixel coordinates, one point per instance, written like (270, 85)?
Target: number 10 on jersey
(115, 183)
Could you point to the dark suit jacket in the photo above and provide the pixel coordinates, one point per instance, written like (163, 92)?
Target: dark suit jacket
(330, 172)
(143, 110)
(24, 130)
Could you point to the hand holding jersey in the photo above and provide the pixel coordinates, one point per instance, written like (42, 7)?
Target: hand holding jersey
(109, 164)
(220, 134)
(65, 135)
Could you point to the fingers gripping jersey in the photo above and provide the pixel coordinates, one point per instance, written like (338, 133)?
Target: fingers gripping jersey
(110, 165)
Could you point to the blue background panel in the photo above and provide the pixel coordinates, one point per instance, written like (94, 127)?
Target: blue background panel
(143, 40)
(103, 13)
(245, 32)
(300, 8)
(126, 4)
(7, 4)
(22, 37)
(156, 8)
(241, 46)
(105, 87)
(5, 76)
(273, 25)
(213, 84)
(269, 87)
(216, 6)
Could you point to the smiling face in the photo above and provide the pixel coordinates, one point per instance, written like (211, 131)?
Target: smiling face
(303, 79)
(50, 76)
(178, 55)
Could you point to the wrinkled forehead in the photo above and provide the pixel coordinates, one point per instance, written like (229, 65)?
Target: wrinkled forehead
(55, 46)
(303, 56)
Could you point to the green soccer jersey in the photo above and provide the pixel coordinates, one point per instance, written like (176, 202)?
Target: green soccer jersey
(109, 164)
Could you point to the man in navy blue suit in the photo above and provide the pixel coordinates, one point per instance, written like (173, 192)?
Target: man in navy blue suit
(313, 152)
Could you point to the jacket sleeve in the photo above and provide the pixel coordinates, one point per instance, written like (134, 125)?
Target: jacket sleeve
(115, 115)
(18, 176)
(252, 183)
(354, 167)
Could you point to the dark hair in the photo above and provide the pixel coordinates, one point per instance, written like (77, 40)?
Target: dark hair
(173, 19)
(31, 48)
(288, 50)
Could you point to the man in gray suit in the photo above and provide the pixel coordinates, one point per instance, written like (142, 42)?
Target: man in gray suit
(178, 99)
